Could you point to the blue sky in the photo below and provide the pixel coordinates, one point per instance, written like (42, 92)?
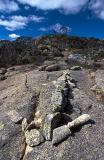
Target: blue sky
(40, 17)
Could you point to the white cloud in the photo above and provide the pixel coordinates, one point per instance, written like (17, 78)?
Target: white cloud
(14, 36)
(2, 16)
(36, 19)
(27, 7)
(8, 6)
(57, 28)
(64, 6)
(18, 22)
(69, 6)
(14, 22)
(97, 6)
(101, 15)
(60, 28)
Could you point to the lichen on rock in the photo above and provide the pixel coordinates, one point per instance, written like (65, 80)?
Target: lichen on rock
(33, 137)
(51, 121)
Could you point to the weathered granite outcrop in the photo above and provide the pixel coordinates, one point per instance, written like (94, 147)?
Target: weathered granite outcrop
(33, 138)
(98, 85)
(53, 99)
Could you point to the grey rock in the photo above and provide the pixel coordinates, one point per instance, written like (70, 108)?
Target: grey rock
(3, 70)
(10, 138)
(42, 68)
(2, 77)
(72, 85)
(76, 68)
(24, 125)
(15, 95)
(99, 80)
(11, 69)
(63, 132)
(57, 100)
(79, 121)
(81, 102)
(11, 73)
(93, 88)
(75, 57)
(54, 67)
(52, 97)
(33, 137)
(59, 95)
(15, 117)
(86, 143)
(51, 122)
(60, 133)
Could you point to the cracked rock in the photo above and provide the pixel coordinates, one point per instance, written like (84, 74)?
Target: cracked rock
(51, 122)
(59, 96)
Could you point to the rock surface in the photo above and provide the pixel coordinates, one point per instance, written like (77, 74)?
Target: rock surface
(33, 138)
(54, 67)
(76, 68)
(99, 80)
(51, 122)
(60, 134)
(2, 77)
(29, 95)
(3, 70)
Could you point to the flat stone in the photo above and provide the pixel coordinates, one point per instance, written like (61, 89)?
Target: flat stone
(60, 133)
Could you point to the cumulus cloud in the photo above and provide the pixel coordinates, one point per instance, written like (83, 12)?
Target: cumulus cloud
(14, 22)
(8, 6)
(14, 36)
(18, 22)
(58, 28)
(69, 6)
(36, 19)
(27, 7)
(97, 6)
(64, 6)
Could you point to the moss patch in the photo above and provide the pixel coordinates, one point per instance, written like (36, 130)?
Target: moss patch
(1, 125)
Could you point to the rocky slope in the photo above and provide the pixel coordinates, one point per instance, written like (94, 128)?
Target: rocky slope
(26, 50)
(34, 101)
